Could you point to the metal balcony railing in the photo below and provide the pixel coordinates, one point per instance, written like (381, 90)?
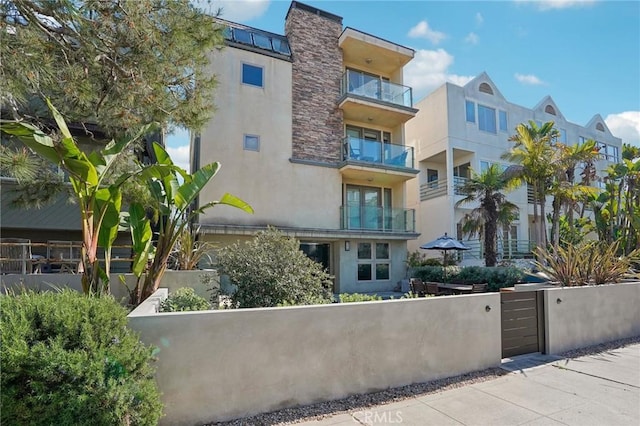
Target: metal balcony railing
(374, 87)
(374, 152)
(506, 249)
(374, 218)
(440, 188)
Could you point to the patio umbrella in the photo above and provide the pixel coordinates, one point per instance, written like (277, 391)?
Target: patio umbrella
(445, 243)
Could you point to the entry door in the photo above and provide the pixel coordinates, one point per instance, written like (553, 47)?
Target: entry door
(364, 205)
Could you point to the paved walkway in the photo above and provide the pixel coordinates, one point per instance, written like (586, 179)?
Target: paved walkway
(599, 390)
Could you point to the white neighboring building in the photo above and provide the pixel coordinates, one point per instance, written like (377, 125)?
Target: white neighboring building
(459, 129)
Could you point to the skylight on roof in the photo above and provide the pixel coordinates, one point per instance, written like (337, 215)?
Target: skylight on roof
(258, 39)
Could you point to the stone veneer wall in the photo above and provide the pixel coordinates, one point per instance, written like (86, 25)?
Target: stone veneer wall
(317, 128)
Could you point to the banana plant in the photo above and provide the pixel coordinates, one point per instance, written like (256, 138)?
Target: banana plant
(99, 202)
(173, 201)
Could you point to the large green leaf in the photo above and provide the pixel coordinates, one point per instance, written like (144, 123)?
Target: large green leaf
(229, 200)
(108, 203)
(62, 125)
(83, 170)
(33, 138)
(188, 191)
(162, 156)
(141, 236)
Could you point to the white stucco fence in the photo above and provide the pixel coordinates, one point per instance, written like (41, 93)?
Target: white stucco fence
(577, 317)
(220, 365)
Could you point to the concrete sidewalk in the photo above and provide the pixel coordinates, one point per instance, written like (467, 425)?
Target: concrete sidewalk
(600, 389)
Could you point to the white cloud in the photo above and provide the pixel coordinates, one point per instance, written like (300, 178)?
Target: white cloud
(472, 38)
(235, 10)
(625, 125)
(529, 79)
(479, 19)
(545, 5)
(429, 70)
(180, 155)
(422, 30)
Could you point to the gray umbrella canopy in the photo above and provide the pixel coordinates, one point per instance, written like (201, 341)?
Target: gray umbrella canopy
(444, 243)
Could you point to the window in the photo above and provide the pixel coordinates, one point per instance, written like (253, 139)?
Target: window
(471, 112)
(563, 135)
(485, 88)
(486, 119)
(463, 170)
(600, 127)
(251, 143)
(242, 36)
(484, 166)
(550, 110)
(432, 178)
(582, 139)
(609, 152)
(502, 116)
(373, 261)
(281, 46)
(252, 75)
(262, 41)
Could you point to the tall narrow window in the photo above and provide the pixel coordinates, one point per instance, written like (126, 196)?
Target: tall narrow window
(471, 111)
(563, 135)
(252, 75)
(486, 119)
(502, 115)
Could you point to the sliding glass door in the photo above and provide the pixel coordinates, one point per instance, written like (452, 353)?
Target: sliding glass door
(364, 205)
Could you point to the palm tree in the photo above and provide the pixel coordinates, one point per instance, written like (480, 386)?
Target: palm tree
(535, 152)
(564, 189)
(493, 209)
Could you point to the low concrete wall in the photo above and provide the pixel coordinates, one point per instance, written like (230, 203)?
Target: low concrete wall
(576, 317)
(172, 280)
(221, 365)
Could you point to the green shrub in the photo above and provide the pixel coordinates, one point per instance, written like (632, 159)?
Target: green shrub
(357, 297)
(496, 277)
(587, 263)
(184, 299)
(69, 359)
(271, 270)
(428, 273)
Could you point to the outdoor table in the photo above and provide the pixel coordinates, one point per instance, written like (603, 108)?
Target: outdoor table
(456, 288)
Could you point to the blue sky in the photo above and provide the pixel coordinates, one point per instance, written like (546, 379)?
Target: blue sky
(584, 54)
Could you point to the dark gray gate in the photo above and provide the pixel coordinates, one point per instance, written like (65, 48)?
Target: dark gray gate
(522, 322)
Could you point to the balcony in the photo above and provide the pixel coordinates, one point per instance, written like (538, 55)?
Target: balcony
(365, 50)
(440, 188)
(368, 98)
(373, 218)
(364, 159)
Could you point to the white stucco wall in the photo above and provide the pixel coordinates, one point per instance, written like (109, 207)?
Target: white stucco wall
(576, 317)
(440, 129)
(281, 193)
(220, 365)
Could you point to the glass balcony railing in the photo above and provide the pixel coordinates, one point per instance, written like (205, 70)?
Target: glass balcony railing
(375, 218)
(356, 149)
(374, 87)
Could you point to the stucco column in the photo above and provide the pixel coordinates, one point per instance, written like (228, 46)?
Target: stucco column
(450, 191)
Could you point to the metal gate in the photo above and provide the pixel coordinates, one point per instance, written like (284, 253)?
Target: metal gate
(522, 322)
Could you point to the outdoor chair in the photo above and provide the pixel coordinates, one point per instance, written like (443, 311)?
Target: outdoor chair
(417, 287)
(433, 289)
(480, 288)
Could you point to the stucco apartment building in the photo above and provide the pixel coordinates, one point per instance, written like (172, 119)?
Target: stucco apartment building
(309, 130)
(459, 129)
